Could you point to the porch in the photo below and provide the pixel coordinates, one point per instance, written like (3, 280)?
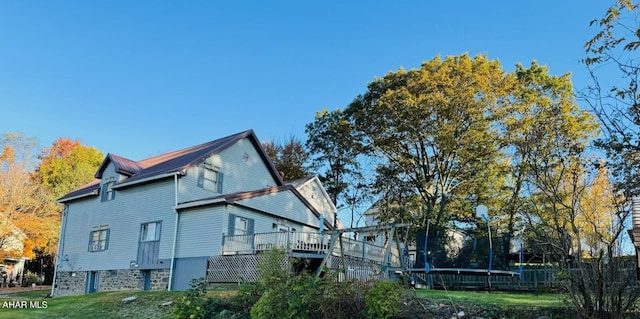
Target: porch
(303, 245)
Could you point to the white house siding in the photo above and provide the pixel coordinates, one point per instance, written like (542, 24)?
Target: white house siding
(313, 192)
(200, 232)
(262, 223)
(238, 175)
(123, 215)
(284, 204)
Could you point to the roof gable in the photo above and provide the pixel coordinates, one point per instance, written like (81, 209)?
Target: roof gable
(171, 163)
(123, 165)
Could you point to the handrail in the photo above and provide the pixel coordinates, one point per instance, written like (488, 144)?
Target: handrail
(307, 242)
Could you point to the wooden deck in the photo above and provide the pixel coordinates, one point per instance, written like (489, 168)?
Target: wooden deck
(302, 244)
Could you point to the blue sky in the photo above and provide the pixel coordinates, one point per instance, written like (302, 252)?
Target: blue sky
(140, 78)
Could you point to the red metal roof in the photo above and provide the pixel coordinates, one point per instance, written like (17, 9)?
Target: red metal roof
(172, 162)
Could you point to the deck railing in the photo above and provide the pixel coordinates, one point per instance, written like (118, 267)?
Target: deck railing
(303, 242)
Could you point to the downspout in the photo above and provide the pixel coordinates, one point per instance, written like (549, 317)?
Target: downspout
(63, 226)
(175, 232)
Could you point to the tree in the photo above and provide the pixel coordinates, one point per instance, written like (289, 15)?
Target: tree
(433, 127)
(334, 150)
(615, 100)
(289, 158)
(29, 219)
(67, 165)
(542, 129)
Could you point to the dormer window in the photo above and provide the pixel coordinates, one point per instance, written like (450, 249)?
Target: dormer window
(108, 193)
(210, 178)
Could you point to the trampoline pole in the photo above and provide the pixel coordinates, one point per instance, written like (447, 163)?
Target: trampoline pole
(426, 240)
(490, 246)
(521, 259)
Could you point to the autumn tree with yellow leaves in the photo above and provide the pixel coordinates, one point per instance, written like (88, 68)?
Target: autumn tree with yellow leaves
(30, 182)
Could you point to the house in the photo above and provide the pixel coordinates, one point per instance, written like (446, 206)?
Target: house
(11, 249)
(158, 223)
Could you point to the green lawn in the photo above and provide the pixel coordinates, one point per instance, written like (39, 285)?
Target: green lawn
(107, 305)
(496, 298)
(102, 305)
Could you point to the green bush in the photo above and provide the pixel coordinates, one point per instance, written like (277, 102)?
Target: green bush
(194, 305)
(382, 300)
(31, 278)
(281, 294)
(191, 305)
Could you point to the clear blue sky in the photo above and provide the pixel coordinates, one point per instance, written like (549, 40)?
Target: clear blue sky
(139, 78)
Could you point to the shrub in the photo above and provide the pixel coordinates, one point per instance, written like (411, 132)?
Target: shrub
(382, 300)
(31, 278)
(194, 305)
(191, 305)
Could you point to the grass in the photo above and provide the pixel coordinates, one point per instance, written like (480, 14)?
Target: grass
(499, 304)
(102, 305)
(500, 299)
(148, 304)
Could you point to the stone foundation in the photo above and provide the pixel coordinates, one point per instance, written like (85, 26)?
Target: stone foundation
(70, 283)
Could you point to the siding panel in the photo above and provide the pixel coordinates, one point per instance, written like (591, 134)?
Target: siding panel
(123, 215)
(239, 175)
(286, 205)
(200, 232)
(186, 269)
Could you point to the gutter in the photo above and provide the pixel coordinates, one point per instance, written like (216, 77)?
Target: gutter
(175, 233)
(198, 203)
(148, 179)
(92, 193)
(63, 226)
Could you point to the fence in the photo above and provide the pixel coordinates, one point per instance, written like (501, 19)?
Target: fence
(532, 279)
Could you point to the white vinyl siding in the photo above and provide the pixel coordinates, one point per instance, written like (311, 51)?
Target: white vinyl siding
(312, 190)
(239, 175)
(200, 232)
(284, 204)
(124, 216)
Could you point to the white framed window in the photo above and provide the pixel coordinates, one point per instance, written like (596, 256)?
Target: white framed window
(99, 238)
(150, 231)
(210, 178)
(241, 226)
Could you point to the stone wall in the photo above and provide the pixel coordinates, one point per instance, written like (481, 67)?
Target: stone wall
(74, 283)
(70, 283)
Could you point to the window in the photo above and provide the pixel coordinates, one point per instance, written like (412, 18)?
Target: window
(99, 238)
(150, 232)
(107, 190)
(210, 178)
(241, 226)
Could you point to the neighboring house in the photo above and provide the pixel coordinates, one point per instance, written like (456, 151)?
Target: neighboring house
(11, 247)
(313, 190)
(157, 223)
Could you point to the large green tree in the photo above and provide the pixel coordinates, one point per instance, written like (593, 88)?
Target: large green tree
(67, 165)
(334, 150)
(542, 129)
(433, 128)
(289, 158)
